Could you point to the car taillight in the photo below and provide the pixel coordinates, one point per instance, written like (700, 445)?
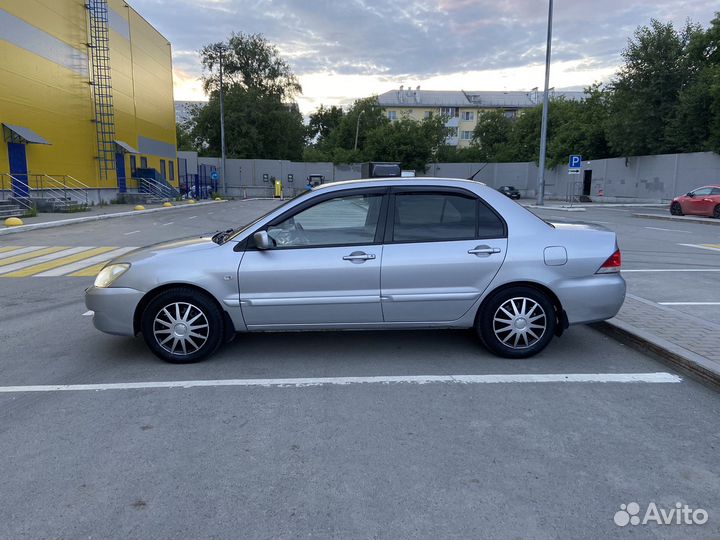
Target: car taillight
(613, 264)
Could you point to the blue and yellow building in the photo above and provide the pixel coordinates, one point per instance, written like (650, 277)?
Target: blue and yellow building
(86, 93)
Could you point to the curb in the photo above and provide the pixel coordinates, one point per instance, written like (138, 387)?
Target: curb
(681, 219)
(678, 357)
(73, 221)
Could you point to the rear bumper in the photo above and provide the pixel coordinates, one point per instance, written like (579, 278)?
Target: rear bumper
(114, 308)
(592, 299)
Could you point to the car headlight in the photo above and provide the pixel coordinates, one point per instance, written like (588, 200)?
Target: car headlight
(110, 273)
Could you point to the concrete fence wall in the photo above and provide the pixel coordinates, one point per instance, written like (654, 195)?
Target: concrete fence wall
(640, 179)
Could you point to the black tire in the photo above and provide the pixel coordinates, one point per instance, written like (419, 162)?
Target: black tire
(676, 209)
(716, 212)
(514, 338)
(196, 340)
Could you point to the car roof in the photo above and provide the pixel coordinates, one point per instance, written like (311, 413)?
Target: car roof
(408, 180)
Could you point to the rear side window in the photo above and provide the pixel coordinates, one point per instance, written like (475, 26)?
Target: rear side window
(429, 217)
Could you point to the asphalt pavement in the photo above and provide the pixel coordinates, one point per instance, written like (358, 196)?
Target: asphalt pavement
(289, 437)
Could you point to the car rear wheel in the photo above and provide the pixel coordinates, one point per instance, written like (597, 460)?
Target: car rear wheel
(182, 326)
(716, 212)
(517, 323)
(676, 209)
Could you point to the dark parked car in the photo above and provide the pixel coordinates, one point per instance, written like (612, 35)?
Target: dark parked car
(510, 191)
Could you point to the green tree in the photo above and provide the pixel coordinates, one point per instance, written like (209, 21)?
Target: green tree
(695, 125)
(323, 121)
(184, 138)
(491, 136)
(410, 142)
(251, 62)
(261, 119)
(658, 64)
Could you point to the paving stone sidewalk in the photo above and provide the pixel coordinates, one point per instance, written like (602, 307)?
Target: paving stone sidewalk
(692, 343)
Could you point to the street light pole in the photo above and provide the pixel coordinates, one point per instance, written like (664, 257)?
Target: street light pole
(357, 128)
(222, 122)
(546, 104)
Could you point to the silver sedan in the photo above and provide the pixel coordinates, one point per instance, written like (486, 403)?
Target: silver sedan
(368, 254)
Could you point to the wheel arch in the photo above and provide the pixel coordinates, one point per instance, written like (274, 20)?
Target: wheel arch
(228, 326)
(561, 315)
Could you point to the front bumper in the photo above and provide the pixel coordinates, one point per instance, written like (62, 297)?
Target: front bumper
(114, 308)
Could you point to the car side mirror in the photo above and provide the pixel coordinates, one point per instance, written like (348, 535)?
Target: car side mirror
(690, 194)
(262, 240)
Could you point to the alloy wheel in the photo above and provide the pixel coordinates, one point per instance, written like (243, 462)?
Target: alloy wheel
(181, 328)
(519, 323)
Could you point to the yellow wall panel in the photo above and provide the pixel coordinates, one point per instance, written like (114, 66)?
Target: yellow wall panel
(55, 99)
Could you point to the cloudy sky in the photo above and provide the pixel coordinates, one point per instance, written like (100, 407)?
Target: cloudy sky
(345, 49)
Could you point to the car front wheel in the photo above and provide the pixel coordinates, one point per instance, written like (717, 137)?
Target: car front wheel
(517, 323)
(676, 209)
(182, 326)
(716, 212)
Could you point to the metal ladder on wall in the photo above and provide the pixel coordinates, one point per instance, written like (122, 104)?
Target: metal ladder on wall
(101, 82)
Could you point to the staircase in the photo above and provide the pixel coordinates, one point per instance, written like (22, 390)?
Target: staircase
(11, 209)
(58, 205)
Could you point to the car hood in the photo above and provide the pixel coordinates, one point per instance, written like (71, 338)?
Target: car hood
(179, 247)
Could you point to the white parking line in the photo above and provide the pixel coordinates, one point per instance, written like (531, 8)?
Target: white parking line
(192, 217)
(131, 232)
(660, 377)
(689, 303)
(624, 271)
(699, 246)
(168, 223)
(668, 230)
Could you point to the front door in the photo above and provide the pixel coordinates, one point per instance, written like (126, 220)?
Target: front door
(121, 175)
(18, 169)
(323, 270)
(441, 252)
(700, 204)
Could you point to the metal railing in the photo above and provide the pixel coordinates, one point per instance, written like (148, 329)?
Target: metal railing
(6, 192)
(64, 188)
(572, 193)
(155, 188)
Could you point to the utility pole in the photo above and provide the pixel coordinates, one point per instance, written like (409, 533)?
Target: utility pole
(546, 105)
(222, 121)
(357, 128)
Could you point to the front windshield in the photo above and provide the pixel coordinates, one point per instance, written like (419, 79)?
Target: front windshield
(236, 232)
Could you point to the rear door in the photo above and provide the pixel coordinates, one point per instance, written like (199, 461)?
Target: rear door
(325, 267)
(443, 247)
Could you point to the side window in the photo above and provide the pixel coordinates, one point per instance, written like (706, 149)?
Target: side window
(716, 191)
(143, 162)
(346, 221)
(133, 165)
(163, 171)
(489, 224)
(171, 165)
(428, 217)
(702, 191)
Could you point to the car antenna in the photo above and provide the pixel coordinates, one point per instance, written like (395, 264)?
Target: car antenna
(472, 177)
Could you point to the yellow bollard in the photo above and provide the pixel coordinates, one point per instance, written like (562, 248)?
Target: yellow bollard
(13, 222)
(191, 201)
(139, 207)
(218, 199)
(167, 204)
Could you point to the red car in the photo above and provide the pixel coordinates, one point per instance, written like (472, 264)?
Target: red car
(704, 201)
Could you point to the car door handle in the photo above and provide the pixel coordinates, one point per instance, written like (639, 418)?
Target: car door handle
(358, 256)
(483, 250)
